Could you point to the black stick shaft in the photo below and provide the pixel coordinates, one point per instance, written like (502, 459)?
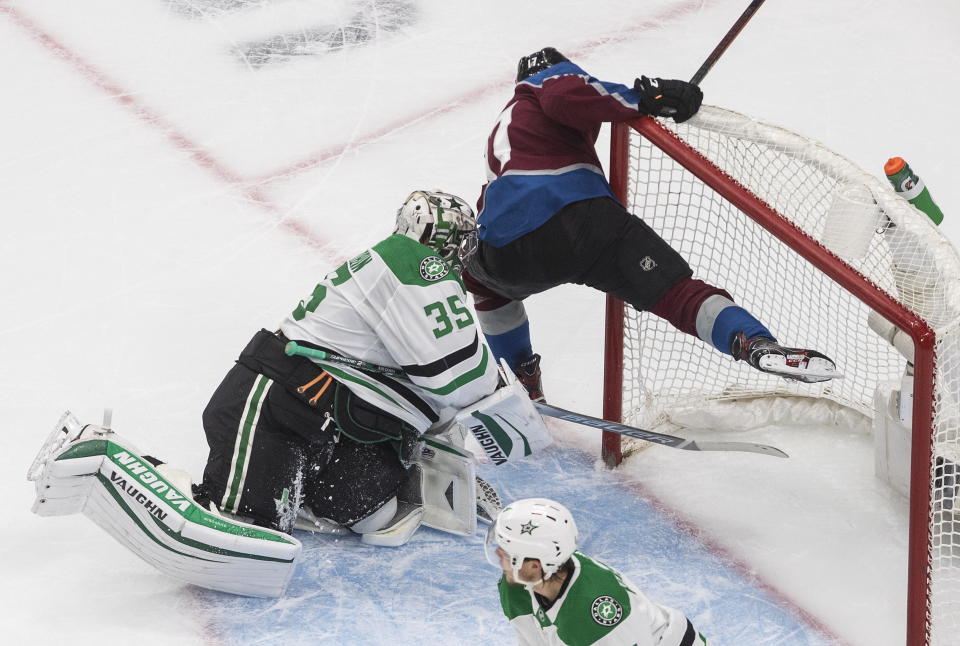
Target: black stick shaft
(725, 43)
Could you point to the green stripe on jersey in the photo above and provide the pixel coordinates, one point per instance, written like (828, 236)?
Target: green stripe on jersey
(465, 378)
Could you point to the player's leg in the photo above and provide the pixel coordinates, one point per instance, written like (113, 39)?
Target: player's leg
(257, 454)
(501, 277)
(641, 269)
(505, 326)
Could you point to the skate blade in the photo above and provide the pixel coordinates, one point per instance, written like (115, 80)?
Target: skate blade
(813, 370)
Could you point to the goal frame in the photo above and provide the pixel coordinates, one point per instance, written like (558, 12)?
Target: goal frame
(920, 537)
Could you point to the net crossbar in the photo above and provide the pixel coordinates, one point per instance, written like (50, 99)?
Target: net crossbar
(815, 247)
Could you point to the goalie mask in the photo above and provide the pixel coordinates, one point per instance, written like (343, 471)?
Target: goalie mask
(533, 528)
(437, 220)
(539, 61)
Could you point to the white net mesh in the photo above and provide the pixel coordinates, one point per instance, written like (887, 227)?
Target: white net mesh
(670, 377)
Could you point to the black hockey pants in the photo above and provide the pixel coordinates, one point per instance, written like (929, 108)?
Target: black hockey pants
(275, 443)
(594, 242)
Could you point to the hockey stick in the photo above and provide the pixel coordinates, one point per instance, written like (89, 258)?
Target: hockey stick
(725, 42)
(293, 348)
(656, 438)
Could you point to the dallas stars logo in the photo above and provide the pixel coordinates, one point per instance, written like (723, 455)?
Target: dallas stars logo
(527, 528)
(433, 268)
(606, 611)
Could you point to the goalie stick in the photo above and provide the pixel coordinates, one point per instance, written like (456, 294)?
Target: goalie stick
(293, 348)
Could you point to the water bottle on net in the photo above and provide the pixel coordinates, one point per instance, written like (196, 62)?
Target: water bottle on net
(908, 185)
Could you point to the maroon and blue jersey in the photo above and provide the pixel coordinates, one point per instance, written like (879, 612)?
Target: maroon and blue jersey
(541, 156)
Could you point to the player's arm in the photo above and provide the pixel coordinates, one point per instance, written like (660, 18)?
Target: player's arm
(581, 101)
(578, 99)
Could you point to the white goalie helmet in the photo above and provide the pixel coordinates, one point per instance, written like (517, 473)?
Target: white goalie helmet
(437, 220)
(533, 528)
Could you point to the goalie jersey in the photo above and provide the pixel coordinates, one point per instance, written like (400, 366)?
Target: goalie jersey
(598, 607)
(399, 305)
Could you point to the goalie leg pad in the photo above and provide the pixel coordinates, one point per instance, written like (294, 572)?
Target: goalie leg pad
(101, 476)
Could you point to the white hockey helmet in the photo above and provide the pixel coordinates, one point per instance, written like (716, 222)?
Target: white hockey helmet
(437, 220)
(533, 528)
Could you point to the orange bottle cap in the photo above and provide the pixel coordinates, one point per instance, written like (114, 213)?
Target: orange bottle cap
(894, 165)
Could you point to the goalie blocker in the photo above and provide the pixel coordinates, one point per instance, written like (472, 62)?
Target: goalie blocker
(91, 470)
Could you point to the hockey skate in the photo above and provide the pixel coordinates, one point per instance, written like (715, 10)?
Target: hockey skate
(528, 374)
(766, 355)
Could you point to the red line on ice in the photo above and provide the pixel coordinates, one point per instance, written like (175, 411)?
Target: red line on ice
(179, 140)
(251, 187)
(732, 561)
(332, 152)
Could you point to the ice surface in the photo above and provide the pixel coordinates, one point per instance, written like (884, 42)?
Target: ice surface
(437, 586)
(165, 197)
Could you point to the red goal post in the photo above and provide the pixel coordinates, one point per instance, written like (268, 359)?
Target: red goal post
(782, 222)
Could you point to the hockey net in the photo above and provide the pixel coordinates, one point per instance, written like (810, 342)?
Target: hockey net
(813, 246)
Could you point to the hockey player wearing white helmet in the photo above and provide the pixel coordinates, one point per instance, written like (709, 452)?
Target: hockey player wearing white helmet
(336, 438)
(312, 442)
(554, 595)
(437, 220)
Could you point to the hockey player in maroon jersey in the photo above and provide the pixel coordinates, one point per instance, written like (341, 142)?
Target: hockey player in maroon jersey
(547, 216)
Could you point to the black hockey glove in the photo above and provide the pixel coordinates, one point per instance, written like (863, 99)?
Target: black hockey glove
(668, 98)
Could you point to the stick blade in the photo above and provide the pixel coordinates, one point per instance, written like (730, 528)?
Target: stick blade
(744, 447)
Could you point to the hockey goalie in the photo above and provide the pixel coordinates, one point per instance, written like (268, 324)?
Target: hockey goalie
(368, 440)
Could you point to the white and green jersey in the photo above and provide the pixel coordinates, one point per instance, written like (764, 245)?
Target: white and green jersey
(600, 607)
(399, 305)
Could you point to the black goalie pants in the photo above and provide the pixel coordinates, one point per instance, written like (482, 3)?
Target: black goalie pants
(273, 449)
